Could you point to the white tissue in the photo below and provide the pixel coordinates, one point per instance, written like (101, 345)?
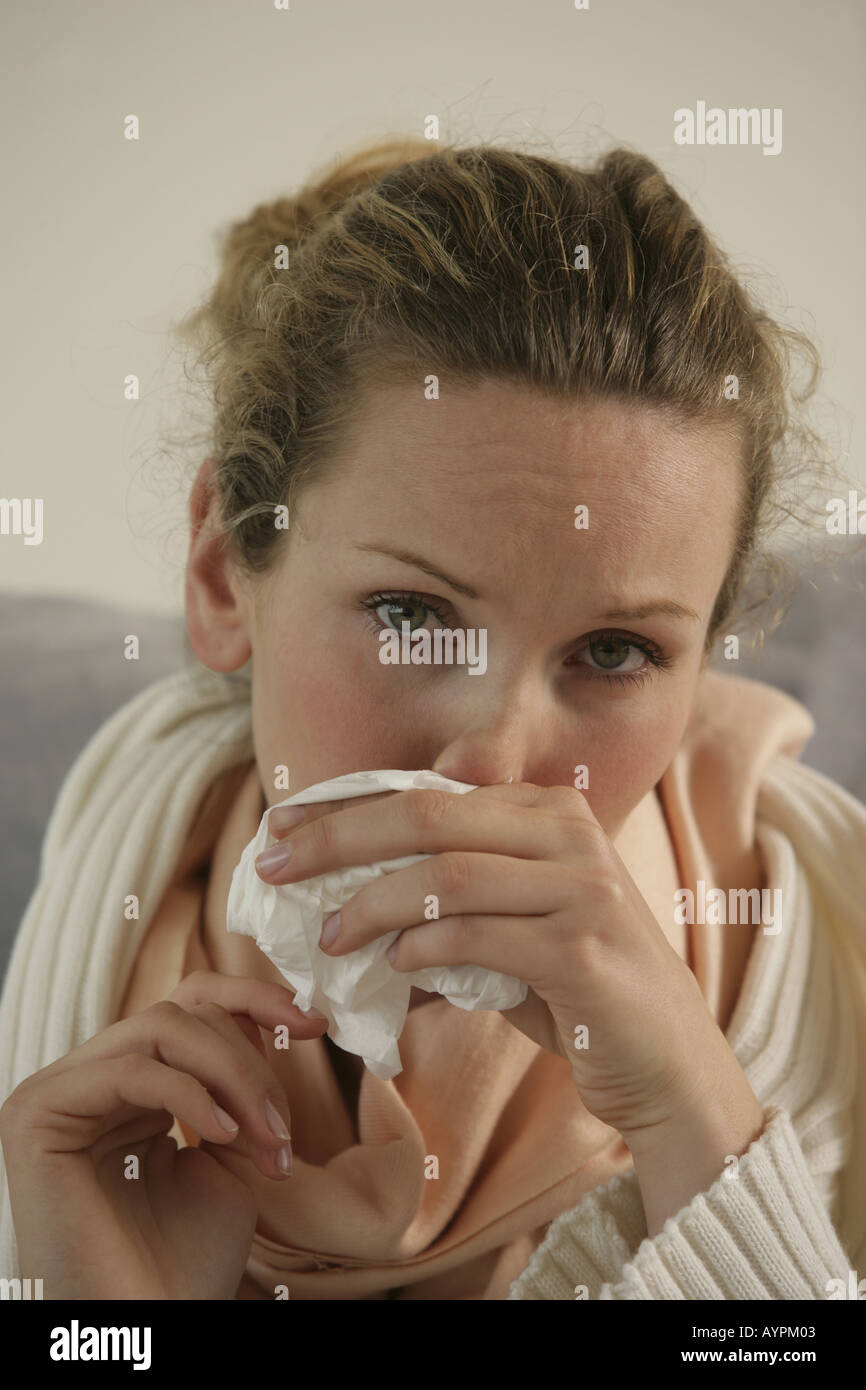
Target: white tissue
(364, 1000)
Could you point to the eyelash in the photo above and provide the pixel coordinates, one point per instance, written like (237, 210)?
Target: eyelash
(655, 655)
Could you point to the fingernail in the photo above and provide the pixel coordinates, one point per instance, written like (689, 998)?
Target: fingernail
(276, 1121)
(225, 1119)
(284, 1158)
(330, 930)
(274, 858)
(284, 818)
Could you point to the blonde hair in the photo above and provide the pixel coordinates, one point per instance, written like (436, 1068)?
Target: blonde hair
(406, 259)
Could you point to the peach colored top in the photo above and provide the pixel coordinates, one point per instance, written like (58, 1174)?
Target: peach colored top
(358, 1218)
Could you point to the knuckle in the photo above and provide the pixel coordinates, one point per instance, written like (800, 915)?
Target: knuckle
(603, 879)
(359, 913)
(323, 833)
(459, 931)
(191, 987)
(614, 888)
(211, 1010)
(585, 837)
(569, 798)
(19, 1104)
(134, 1065)
(426, 807)
(593, 834)
(15, 1106)
(568, 840)
(165, 1011)
(198, 977)
(452, 873)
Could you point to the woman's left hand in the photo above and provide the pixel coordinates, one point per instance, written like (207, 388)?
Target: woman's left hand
(530, 885)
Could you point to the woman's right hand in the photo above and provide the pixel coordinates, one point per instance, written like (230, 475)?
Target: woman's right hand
(182, 1228)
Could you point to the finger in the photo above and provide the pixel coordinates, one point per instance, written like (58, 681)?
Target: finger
(239, 1079)
(514, 946)
(66, 1107)
(264, 1001)
(234, 1030)
(274, 1011)
(117, 1133)
(147, 1124)
(446, 885)
(218, 1051)
(282, 819)
(251, 1031)
(517, 819)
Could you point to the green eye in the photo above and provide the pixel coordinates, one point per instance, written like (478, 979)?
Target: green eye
(616, 659)
(400, 613)
(400, 606)
(614, 650)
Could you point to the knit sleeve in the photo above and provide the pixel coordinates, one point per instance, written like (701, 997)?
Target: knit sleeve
(764, 1234)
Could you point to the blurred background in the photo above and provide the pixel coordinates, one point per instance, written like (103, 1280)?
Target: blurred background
(111, 241)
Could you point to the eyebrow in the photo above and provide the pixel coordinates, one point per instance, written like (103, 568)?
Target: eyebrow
(668, 607)
(406, 557)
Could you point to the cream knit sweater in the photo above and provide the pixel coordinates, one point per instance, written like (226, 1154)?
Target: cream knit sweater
(791, 1221)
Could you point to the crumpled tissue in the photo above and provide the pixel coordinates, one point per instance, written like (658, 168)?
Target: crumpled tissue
(363, 998)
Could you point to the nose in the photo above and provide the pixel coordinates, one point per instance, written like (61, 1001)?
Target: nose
(508, 726)
(481, 757)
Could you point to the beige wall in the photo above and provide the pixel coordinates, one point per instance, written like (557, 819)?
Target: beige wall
(109, 240)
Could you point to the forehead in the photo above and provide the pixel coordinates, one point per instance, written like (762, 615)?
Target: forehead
(496, 470)
(494, 436)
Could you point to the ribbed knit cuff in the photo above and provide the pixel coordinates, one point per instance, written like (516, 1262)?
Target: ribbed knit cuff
(588, 1245)
(764, 1234)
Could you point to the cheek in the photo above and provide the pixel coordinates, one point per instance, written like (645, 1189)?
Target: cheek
(629, 756)
(323, 711)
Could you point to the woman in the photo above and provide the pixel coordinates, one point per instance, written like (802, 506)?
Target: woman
(481, 390)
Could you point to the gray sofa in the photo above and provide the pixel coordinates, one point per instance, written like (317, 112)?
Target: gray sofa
(63, 673)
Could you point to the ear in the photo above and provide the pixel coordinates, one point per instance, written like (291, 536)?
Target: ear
(218, 607)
